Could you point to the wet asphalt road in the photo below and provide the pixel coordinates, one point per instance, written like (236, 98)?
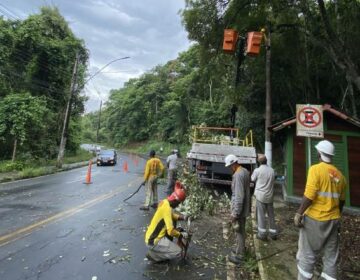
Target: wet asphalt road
(57, 227)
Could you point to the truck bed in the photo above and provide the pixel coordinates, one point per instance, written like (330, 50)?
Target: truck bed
(217, 153)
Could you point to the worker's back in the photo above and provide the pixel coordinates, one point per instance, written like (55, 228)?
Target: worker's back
(326, 187)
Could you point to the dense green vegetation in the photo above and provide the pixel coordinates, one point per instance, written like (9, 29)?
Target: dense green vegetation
(37, 57)
(315, 59)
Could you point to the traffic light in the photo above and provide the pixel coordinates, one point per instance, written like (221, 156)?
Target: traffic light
(253, 43)
(230, 39)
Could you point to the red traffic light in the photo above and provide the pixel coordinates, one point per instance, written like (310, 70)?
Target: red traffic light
(253, 43)
(230, 39)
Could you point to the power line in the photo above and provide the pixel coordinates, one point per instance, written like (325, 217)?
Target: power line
(7, 14)
(34, 84)
(11, 12)
(24, 54)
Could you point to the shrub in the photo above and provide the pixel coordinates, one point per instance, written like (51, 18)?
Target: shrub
(7, 166)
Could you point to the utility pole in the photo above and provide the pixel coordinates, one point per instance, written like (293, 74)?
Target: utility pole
(268, 107)
(64, 133)
(98, 126)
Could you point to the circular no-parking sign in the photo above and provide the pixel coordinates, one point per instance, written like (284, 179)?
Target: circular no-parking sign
(309, 117)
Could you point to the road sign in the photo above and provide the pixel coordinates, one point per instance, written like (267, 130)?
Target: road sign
(309, 121)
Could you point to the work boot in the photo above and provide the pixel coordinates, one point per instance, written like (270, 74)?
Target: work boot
(273, 236)
(154, 205)
(144, 208)
(261, 237)
(234, 259)
(149, 257)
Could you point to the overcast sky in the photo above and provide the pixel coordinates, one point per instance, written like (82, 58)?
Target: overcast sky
(149, 31)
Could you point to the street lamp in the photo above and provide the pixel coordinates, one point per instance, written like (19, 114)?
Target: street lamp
(73, 89)
(102, 68)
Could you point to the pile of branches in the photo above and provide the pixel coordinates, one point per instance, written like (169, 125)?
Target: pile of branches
(200, 200)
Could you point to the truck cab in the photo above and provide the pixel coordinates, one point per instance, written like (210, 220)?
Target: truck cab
(210, 146)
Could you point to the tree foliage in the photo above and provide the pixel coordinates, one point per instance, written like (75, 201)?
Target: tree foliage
(20, 116)
(37, 56)
(315, 59)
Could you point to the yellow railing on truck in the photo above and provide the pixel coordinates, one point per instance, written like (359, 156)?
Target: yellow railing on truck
(220, 135)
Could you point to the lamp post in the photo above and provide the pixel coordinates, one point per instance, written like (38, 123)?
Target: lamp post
(73, 89)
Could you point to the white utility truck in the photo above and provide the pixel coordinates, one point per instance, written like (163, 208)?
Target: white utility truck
(210, 146)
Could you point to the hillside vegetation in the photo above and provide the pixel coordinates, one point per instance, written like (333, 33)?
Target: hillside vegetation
(314, 59)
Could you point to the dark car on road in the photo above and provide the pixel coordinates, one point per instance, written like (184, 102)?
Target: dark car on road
(106, 157)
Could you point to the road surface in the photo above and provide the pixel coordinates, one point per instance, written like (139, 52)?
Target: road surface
(57, 227)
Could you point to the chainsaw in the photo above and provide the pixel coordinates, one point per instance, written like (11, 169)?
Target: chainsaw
(185, 242)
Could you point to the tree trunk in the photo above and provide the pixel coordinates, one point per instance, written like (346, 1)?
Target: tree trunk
(352, 98)
(337, 49)
(210, 90)
(14, 150)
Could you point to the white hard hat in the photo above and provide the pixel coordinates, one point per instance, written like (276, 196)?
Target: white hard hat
(326, 147)
(230, 159)
(326, 150)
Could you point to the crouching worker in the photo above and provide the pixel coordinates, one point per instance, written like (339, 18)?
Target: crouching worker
(162, 229)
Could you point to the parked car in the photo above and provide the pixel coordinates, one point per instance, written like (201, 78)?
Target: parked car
(106, 157)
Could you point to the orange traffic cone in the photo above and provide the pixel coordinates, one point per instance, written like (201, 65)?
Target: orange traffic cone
(88, 174)
(125, 166)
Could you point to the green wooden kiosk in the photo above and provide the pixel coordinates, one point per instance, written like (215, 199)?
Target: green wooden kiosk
(344, 132)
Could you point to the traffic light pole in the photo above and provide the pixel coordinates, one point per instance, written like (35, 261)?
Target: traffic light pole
(268, 106)
(241, 57)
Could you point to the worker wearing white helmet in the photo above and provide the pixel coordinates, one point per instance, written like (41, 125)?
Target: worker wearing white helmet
(240, 205)
(319, 214)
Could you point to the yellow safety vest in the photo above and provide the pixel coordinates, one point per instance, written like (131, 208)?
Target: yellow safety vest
(162, 224)
(325, 186)
(154, 167)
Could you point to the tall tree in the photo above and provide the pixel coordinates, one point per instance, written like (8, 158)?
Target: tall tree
(19, 115)
(37, 57)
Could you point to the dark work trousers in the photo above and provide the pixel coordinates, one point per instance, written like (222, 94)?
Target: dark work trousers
(240, 236)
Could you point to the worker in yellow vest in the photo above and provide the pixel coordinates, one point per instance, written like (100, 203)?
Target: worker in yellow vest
(153, 170)
(162, 229)
(319, 214)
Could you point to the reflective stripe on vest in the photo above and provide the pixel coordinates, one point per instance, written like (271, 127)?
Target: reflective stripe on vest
(329, 194)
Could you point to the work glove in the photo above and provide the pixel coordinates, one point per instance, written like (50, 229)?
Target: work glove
(180, 229)
(298, 220)
(185, 217)
(184, 235)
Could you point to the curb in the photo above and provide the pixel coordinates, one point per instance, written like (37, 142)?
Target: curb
(262, 274)
(66, 167)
